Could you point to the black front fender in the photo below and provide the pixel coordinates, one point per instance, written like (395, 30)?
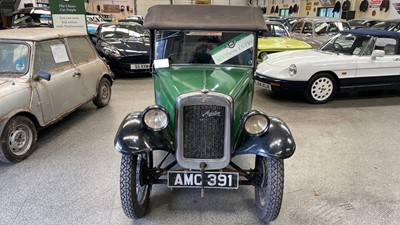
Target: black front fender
(277, 142)
(133, 137)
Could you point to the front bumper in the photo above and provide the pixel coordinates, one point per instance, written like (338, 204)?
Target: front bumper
(126, 66)
(282, 85)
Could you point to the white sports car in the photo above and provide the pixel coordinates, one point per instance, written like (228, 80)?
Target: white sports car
(351, 59)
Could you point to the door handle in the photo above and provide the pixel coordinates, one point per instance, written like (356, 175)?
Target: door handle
(76, 74)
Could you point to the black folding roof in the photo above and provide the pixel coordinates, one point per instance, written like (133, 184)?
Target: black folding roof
(204, 17)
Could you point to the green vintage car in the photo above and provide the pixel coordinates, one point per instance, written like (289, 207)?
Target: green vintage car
(203, 65)
(277, 39)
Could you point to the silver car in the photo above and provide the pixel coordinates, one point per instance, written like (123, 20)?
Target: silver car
(45, 74)
(317, 31)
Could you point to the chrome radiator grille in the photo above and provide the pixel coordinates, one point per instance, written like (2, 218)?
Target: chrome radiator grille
(203, 131)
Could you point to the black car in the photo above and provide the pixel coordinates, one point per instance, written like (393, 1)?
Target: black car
(126, 47)
(31, 17)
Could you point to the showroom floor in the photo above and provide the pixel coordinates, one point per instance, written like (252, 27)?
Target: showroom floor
(343, 172)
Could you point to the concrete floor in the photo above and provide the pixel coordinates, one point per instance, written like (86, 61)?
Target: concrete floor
(343, 172)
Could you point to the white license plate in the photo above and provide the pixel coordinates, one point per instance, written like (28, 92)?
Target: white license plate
(263, 85)
(225, 180)
(140, 66)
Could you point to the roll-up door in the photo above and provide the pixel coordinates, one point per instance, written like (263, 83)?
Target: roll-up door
(229, 2)
(144, 5)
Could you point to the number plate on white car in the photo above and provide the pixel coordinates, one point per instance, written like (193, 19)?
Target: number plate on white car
(140, 66)
(263, 85)
(225, 180)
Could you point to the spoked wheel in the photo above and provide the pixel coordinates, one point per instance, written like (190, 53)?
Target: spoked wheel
(269, 187)
(320, 89)
(134, 184)
(18, 139)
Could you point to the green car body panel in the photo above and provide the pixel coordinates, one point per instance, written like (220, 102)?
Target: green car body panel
(233, 81)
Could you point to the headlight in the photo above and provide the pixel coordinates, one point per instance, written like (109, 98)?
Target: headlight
(110, 50)
(264, 56)
(155, 118)
(256, 122)
(292, 70)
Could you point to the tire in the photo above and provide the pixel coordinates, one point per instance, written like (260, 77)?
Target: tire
(103, 93)
(134, 187)
(18, 140)
(320, 89)
(269, 187)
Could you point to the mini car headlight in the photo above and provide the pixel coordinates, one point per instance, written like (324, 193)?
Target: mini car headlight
(156, 118)
(256, 122)
(264, 56)
(292, 70)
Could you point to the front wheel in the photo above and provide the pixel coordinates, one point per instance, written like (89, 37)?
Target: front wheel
(18, 139)
(269, 187)
(320, 89)
(134, 184)
(103, 93)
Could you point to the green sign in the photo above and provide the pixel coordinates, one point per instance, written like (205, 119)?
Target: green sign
(69, 14)
(232, 48)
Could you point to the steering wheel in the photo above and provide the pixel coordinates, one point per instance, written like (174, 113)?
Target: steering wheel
(337, 47)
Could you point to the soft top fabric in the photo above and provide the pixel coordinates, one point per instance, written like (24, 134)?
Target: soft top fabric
(204, 17)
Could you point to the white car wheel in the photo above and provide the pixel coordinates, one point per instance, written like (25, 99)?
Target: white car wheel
(321, 88)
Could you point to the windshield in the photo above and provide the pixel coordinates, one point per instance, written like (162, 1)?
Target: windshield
(14, 59)
(330, 27)
(275, 30)
(31, 20)
(205, 47)
(116, 31)
(349, 44)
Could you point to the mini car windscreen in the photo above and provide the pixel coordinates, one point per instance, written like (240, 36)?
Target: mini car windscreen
(204, 47)
(14, 59)
(120, 31)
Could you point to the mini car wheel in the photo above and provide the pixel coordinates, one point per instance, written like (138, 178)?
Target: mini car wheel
(269, 187)
(103, 93)
(18, 140)
(320, 89)
(134, 184)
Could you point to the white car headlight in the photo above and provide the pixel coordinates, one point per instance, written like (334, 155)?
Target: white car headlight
(256, 122)
(155, 118)
(292, 70)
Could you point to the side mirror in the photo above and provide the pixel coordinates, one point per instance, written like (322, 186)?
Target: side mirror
(44, 75)
(377, 53)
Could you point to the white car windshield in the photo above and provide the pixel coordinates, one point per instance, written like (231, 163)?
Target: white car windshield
(349, 44)
(206, 47)
(14, 59)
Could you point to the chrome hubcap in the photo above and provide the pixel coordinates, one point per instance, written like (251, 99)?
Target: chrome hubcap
(20, 139)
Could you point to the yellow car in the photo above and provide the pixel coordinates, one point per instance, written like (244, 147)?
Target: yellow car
(277, 39)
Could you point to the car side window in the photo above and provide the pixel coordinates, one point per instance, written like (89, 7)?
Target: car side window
(307, 28)
(297, 27)
(50, 55)
(81, 49)
(389, 45)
